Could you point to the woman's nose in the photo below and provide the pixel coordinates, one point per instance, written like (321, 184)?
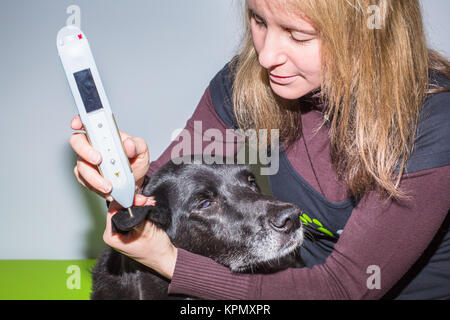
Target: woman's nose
(272, 53)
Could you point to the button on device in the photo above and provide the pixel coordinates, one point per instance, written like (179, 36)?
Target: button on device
(100, 125)
(113, 162)
(106, 144)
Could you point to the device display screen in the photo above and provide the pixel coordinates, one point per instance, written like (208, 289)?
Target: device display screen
(88, 90)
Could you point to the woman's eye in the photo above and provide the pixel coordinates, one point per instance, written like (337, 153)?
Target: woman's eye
(299, 39)
(258, 20)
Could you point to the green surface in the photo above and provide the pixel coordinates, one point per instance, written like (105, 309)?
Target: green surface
(45, 279)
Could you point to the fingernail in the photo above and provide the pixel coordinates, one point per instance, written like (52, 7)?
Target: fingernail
(94, 156)
(107, 188)
(109, 198)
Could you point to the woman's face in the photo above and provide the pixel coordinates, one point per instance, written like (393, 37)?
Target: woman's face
(288, 48)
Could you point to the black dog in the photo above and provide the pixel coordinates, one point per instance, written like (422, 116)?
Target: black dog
(217, 211)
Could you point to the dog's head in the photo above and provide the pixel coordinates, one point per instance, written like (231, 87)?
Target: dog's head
(218, 211)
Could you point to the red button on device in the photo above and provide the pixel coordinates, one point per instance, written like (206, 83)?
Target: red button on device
(80, 36)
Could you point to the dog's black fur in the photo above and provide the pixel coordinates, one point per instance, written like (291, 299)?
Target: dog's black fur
(217, 211)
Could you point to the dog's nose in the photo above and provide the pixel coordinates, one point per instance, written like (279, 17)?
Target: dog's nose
(285, 221)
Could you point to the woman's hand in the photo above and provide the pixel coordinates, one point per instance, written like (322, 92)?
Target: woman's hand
(146, 243)
(88, 158)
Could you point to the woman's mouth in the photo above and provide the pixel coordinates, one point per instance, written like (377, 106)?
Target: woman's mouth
(282, 80)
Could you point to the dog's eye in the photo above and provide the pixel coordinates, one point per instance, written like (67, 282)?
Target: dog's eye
(204, 204)
(251, 180)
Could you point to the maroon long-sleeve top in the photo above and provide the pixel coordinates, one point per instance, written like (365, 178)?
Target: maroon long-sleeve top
(370, 249)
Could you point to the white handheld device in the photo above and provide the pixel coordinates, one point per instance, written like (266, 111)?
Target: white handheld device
(95, 112)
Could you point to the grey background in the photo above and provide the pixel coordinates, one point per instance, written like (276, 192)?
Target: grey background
(156, 58)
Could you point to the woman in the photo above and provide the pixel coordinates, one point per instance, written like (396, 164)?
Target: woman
(363, 108)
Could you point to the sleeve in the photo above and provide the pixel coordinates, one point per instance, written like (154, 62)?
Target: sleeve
(391, 235)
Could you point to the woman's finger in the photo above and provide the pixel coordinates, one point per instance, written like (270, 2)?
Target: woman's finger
(85, 184)
(143, 201)
(130, 147)
(141, 147)
(110, 238)
(93, 178)
(82, 147)
(76, 123)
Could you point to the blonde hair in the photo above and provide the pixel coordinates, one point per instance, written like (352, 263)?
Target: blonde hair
(374, 82)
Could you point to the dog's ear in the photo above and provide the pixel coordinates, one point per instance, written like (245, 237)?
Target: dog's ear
(159, 214)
